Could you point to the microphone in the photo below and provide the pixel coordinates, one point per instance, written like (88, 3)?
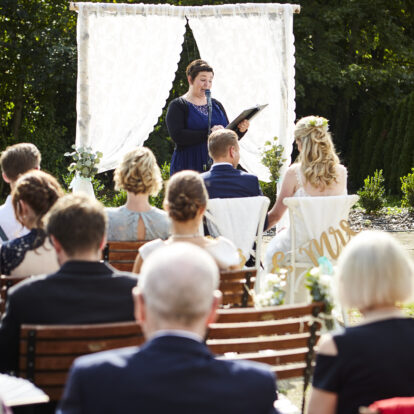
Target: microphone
(210, 111)
(208, 96)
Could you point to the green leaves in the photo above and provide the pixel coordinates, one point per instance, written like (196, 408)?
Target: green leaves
(272, 158)
(86, 161)
(407, 188)
(371, 196)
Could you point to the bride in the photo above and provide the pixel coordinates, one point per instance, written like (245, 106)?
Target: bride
(317, 173)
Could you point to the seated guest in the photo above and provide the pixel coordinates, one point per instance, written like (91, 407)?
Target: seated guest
(83, 290)
(15, 160)
(174, 372)
(317, 173)
(373, 360)
(224, 180)
(139, 175)
(33, 195)
(186, 200)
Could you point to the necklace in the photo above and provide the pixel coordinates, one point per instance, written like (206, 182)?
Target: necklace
(185, 236)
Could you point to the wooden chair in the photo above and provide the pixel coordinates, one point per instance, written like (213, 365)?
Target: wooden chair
(121, 254)
(47, 351)
(236, 285)
(6, 282)
(281, 336)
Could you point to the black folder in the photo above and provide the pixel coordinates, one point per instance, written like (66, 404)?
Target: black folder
(249, 113)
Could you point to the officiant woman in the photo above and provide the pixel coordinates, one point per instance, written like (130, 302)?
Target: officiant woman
(187, 120)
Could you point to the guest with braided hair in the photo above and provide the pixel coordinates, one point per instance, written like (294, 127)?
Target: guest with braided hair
(186, 201)
(33, 195)
(140, 176)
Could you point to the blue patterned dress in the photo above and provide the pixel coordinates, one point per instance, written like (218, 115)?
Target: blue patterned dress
(195, 157)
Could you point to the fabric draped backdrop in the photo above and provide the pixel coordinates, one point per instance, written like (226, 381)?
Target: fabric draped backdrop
(128, 56)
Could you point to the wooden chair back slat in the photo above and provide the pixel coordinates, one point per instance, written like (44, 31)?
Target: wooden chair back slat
(122, 254)
(279, 336)
(269, 313)
(274, 357)
(253, 329)
(248, 345)
(289, 371)
(47, 351)
(88, 331)
(6, 282)
(236, 285)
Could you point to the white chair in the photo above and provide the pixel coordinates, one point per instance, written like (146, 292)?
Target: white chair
(318, 227)
(241, 220)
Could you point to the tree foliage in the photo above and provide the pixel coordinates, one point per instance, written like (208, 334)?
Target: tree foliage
(38, 77)
(354, 63)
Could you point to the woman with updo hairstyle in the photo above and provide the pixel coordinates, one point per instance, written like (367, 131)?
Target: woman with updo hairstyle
(316, 173)
(35, 192)
(187, 120)
(140, 176)
(186, 201)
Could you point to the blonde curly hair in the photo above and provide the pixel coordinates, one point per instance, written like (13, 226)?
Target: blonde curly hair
(139, 173)
(317, 157)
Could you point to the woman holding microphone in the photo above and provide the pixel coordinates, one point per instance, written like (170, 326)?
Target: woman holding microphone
(187, 120)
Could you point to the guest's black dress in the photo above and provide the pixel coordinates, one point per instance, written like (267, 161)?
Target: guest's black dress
(375, 361)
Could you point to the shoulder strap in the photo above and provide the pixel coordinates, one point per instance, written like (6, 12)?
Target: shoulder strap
(298, 176)
(3, 235)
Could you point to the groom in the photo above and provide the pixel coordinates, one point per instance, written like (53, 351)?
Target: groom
(224, 180)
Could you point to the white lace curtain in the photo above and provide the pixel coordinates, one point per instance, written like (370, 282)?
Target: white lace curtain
(128, 56)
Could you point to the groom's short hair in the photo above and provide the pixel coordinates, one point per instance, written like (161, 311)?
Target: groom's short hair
(220, 141)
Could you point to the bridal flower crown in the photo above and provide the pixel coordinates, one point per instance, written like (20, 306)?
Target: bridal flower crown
(316, 121)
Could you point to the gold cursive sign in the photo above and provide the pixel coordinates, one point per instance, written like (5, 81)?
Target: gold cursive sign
(314, 249)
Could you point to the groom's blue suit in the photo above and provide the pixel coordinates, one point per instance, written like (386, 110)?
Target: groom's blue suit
(169, 374)
(224, 181)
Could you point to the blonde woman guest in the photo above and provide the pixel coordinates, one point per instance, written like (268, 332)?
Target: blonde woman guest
(318, 172)
(140, 176)
(186, 201)
(34, 193)
(374, 359)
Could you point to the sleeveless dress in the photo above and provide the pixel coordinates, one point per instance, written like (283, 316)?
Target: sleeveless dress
(282, 240)
(195, 157)
(374, 362)
(123, 224)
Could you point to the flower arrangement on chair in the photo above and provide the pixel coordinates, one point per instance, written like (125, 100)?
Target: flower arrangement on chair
(319, 282)
(273, 290)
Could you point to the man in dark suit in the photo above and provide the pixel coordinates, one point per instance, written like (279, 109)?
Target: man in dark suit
(224, 180)
(84, 290)
(174, 372)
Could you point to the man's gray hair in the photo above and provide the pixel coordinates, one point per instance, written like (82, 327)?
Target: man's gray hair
(178, 282)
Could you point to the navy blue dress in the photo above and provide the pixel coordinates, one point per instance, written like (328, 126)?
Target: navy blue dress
(374, 362)
(188, 128)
